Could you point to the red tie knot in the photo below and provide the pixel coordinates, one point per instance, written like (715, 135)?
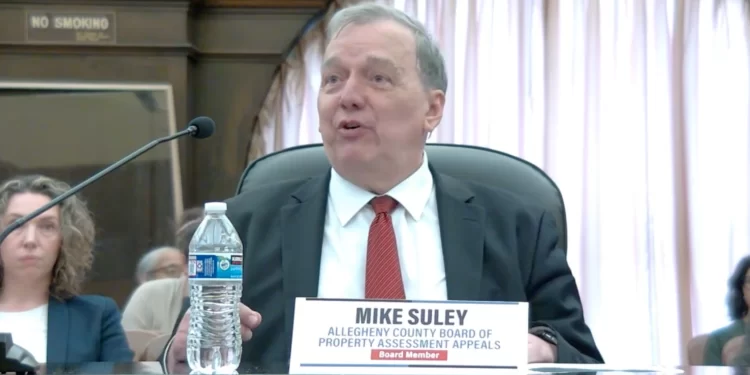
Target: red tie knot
(383, 204)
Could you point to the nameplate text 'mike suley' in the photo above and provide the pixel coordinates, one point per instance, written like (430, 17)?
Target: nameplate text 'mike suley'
(70, 27)
(408, 337)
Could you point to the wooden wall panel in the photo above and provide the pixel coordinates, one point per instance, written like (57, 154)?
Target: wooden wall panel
(218, 55)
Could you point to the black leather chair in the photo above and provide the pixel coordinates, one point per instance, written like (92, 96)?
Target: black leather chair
(468, 163)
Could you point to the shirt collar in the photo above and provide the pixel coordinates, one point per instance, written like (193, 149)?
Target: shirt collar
(412, 193)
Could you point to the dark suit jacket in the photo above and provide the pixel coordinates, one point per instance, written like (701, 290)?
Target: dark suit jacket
(85, 329)
(497, 247)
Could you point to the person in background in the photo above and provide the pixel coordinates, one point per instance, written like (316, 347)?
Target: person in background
(167, 261)
(738, 301)
(155, 305)
(742, 360)
(42, 266)
(160, 263)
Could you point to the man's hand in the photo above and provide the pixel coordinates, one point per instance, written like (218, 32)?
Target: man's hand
(249, 320)
(541, 351)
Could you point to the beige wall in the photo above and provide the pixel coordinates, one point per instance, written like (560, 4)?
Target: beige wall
(49, 130)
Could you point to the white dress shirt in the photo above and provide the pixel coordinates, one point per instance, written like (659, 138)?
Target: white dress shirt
(29, 330)
(415, 222)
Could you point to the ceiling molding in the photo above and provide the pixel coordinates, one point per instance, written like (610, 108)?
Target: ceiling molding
(315, 4)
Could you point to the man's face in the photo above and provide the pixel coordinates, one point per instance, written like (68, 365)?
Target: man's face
(375, 113)
(171, 264)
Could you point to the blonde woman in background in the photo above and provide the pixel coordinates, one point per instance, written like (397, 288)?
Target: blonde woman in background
(42, 266)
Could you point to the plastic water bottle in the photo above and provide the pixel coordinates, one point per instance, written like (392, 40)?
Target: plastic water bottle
(214, 344)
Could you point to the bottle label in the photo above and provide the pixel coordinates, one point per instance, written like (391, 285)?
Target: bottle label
(216, 266)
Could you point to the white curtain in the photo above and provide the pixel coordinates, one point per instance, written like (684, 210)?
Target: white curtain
(638, 109)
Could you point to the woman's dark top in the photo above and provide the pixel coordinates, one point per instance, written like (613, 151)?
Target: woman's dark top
(716, 341)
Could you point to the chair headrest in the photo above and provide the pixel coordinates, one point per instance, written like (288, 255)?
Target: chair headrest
(467, 163)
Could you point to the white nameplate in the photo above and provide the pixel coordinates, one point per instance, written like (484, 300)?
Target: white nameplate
(408, 337)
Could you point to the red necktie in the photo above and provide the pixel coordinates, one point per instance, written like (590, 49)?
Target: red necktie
(383, 272)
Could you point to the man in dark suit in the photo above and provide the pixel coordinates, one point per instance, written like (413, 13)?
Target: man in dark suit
(383, 224)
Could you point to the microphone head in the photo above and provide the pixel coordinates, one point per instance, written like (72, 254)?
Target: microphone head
(204, 127)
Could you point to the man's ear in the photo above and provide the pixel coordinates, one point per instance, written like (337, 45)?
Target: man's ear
(436, 101)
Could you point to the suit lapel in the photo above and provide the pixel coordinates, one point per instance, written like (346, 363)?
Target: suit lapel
(302, 222)
(462, 234)
(57, 331)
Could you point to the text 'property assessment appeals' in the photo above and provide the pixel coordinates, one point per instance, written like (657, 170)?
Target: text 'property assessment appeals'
(367, 336)
(426, 328)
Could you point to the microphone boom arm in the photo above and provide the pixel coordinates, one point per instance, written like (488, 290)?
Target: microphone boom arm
(192, 129)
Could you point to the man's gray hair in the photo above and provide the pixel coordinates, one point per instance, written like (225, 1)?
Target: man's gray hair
(148, 261)
(430, 60)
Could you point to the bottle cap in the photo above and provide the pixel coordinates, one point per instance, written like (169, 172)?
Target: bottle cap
(215, 207)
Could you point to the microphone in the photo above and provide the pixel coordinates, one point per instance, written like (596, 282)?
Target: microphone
(15, 358)
(200, 128)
